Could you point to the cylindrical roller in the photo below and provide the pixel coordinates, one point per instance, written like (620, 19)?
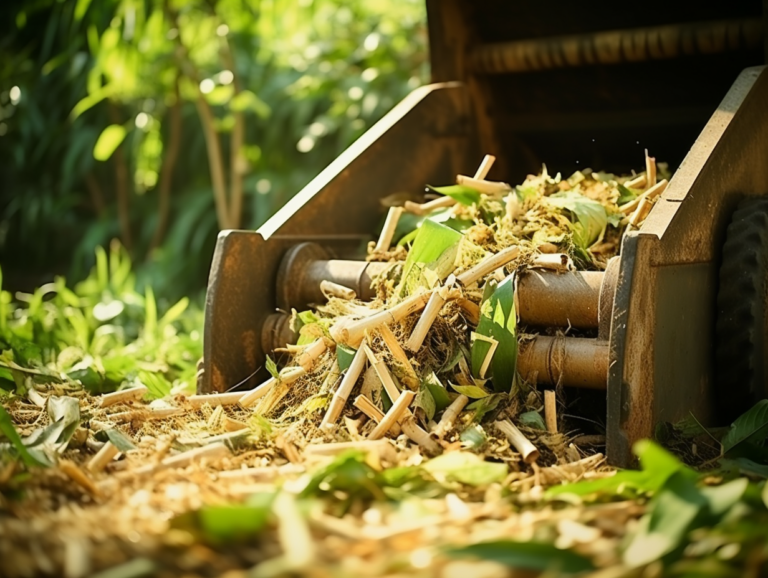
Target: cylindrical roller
(570, 361)
(307, 264)
(549, 299)
(276, 332)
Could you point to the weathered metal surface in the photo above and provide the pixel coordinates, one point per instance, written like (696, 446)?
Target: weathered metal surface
(426, 138)
(619, 46)
(661, 340)
(568, 361)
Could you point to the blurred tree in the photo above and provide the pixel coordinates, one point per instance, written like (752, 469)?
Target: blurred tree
(159, 121)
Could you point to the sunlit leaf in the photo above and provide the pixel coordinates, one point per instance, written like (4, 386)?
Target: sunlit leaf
(435, 248)
(109, 139)
(498, 320)
(438, 391)
(344, 355)
(471, 391)
(591, 216)
(460, 193)
(425, 401)
(532, 419)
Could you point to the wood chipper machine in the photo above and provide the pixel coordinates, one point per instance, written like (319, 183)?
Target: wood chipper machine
(677, 324)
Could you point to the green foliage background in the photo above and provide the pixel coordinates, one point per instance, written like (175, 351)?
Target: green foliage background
(92, 94)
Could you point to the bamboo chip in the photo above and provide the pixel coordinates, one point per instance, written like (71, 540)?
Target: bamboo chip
(637, 183)
(550, 410)
(215, 399)
(123, 395)
(559, 262)
(516, 438)
(471, 310)
(208, 452)
(345, 388)
(449, 416)
(288, 448)
(381, 447)
(307, 358)
(105, 455)
(230, 424)
(352, 333)
(411, 380)
(418, 435)
(393, 415)
(650, 194)
(331, 289)
(146, 414)
(388, 232)
(428, 207)
(487, 265)
(485, 166)
(252, 396)
(650, 170)
(369, 408)
(514, 207)
(428, 316)
(78, 476)
(489, 354)
(640, 213)
(483, 186)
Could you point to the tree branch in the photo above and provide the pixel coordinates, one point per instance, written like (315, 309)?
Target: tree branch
(121, 185)
(166, 175)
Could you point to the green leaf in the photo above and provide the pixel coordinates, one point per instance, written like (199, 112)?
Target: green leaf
(435, 248)
(498, 320)
(158, 386)
(750, 427)
(532, 419)
(484, 405)
(108, 141)
(150, 315)
(236, 522)
(344, 355)
(272, 367)
(467, 468)
(657, 464)
(425, 401)
(471, 391)
(672, 512)
(626, 195)
(591, 216)
(460, 193)
(174, 312)
(347, 473)
(473, 437)
(121, 441)
(9, 431)
(526, 556)
(722, 498)
(438, 391)
(745, 467)
(81, 8)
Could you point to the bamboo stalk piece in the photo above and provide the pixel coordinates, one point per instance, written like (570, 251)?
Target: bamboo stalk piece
(345, 388)
(487, 265)
(388, 232)
(428, 316)
(483, 186)
(131, 394)
(550, 410)
(559, 262)
(650, 194)
(368, 408)
(105, 455)
(449, 416)
(411, 380)
(521, 443)
(650, 170)
(393, 415)
(215, 399)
